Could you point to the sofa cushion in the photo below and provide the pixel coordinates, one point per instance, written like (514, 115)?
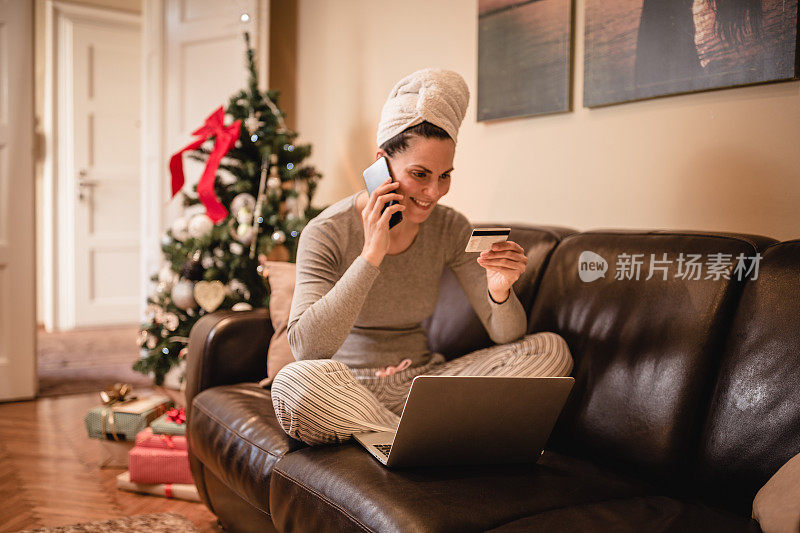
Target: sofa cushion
(645, 350)
(753, 423)
(632, 515)
(454, 329)
(281, 279)
(343, 488)
(233, 431)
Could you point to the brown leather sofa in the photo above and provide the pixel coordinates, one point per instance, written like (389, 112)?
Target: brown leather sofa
(686, 401)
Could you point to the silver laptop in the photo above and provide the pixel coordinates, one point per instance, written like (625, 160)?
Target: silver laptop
(456, 420)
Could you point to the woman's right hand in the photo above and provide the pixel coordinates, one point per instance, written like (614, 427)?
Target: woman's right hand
(376, 225)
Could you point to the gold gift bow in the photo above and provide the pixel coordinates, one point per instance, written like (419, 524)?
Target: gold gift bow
(111, 396)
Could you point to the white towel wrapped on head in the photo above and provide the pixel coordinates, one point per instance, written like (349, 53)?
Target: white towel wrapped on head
(434, 95)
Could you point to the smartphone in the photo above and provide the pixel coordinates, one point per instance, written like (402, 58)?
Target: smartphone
(374, 176)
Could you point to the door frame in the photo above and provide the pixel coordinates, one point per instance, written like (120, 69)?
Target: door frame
(58, 182)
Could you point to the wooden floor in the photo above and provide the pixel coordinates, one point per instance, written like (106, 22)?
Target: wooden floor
(87, 359)
(50, 474)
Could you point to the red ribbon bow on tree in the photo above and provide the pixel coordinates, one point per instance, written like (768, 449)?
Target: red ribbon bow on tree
(177, 416)
(225, 137)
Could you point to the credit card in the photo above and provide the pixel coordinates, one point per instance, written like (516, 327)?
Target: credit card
(483, 238)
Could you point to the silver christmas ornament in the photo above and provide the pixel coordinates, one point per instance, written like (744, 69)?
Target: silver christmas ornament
(183, 295)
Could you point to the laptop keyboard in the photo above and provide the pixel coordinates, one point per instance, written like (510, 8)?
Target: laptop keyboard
(384, 448)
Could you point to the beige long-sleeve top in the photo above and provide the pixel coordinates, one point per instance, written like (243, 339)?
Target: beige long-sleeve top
(368, 317)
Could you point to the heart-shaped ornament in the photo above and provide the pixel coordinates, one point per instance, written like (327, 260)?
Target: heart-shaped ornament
(209, 294)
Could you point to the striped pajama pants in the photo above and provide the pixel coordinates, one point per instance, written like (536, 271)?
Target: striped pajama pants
(323, 401)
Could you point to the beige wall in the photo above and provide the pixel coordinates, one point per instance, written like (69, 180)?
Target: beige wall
(724, 160)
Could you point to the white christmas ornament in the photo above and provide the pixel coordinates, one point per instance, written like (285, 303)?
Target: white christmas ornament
(180, 229)
(151, 341)
(236, 248)
(167, 277)
(207, 261)
(243, 200)
(183, 295)
(274, 183)
(209, 294)
(241, 306)
(245, 233)
(200, 225)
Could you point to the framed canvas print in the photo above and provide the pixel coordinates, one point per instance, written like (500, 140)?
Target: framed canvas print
(524, 49)
(638, 49)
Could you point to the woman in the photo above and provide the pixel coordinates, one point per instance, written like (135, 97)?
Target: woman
(363, 290)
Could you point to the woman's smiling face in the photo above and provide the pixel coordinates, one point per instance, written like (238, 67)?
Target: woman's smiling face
(423, 170)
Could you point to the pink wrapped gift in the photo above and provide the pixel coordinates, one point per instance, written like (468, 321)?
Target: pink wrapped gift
(147, 439)
(158, 464)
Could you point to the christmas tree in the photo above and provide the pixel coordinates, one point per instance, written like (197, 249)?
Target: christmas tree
(252, 201)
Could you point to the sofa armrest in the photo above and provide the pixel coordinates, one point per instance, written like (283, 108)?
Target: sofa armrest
(227, 347)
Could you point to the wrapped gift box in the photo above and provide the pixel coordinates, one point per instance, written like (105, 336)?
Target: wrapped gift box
(124, 420)
(181, 491)
(149, 439)
(173, 422)
(159, 459)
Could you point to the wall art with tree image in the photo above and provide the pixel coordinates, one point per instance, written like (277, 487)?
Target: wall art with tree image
(524, 52)
(638, 49)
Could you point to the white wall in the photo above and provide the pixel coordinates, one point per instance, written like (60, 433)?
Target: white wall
(723, 160)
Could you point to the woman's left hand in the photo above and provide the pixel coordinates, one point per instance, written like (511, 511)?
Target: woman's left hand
(504, 264)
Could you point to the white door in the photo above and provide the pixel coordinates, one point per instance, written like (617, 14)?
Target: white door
(17, 236)
(106, 131)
